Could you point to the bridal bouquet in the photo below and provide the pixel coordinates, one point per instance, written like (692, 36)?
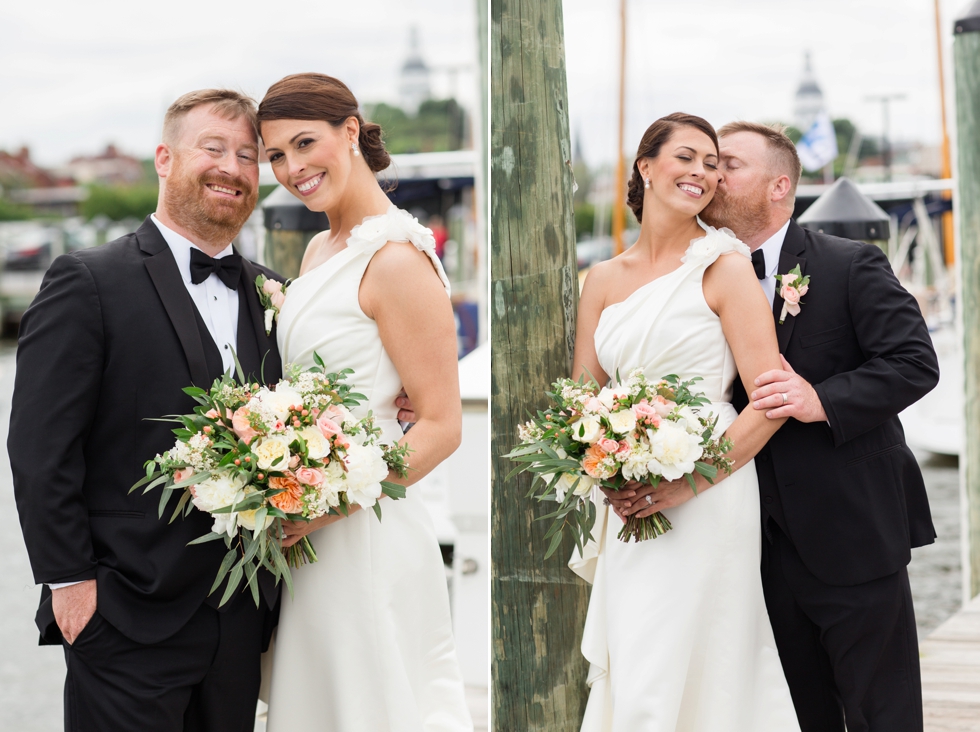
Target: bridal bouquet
(638, 431)
(255, 456)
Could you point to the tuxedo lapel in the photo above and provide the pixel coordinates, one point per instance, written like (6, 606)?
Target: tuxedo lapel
(794, 246)
(267, 343)
(162, 268)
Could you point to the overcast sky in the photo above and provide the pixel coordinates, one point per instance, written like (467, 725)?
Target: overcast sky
(726, 60)
(75, 75)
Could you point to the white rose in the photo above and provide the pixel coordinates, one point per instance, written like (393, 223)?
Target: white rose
(225, 523)
(246, 519)
(623, 421)
(567, 481)
(689, 418)
(317, 446)
(675, 450)
(279, 401)
(334, 474)
(607, 396)
(272, 453)
(219, 490)
(366, 469)
(587, 429)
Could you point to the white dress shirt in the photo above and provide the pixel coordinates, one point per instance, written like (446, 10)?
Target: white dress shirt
(217, 304)
(770, 250)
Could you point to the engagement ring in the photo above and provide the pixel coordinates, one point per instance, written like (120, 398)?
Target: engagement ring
(606, 502)
(649, 499)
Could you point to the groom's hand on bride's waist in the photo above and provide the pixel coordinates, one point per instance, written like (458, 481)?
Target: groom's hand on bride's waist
(74, 607)
(405, 411)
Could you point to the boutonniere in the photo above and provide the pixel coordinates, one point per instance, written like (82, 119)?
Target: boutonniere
(272, 294)
(792, 286)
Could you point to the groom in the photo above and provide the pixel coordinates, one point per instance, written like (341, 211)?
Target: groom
(112, 338)
(843, 499)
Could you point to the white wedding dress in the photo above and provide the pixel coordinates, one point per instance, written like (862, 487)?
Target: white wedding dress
(366, 643)
(677, 634)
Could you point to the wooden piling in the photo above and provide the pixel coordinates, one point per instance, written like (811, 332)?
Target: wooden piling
(966, 62)
(538, 607)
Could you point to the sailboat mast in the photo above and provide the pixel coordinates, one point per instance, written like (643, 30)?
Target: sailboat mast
(947, 168)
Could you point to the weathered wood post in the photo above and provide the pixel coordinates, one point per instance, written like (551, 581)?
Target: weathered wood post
(966, 63)
(538, 606)
(290, 226)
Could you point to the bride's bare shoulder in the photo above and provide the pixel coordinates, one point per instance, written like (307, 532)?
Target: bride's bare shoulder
(313, 255)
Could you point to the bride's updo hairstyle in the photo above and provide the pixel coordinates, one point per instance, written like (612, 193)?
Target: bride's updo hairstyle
(653, 139)
(318, 97)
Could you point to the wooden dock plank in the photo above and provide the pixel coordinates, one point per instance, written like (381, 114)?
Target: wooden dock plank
(950, 660)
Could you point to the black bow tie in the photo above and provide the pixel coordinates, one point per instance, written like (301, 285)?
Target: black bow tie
(759, 263)
(228, 269)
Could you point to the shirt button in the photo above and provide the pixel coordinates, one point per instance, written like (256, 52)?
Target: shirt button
(226, 346)
(216, 298)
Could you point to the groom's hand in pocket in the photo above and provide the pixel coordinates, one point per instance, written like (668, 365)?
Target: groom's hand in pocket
(73, 608)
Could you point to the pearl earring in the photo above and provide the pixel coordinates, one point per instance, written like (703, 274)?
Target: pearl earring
(353, 146)
(646, 183)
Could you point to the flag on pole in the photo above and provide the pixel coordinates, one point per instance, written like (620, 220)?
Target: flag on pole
(818, 146)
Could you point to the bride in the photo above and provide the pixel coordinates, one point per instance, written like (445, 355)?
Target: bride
(366, 644)
(677, 634)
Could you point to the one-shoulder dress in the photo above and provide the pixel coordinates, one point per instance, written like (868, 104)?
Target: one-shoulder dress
(677, 634)
(366, 642)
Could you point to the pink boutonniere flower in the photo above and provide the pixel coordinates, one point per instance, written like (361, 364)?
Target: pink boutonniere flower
(272, 294)
(792, 286)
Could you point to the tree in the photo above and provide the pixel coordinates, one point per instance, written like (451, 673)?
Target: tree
(120, 202)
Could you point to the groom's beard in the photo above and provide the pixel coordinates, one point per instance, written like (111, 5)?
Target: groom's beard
(746, 215)
(214, 220)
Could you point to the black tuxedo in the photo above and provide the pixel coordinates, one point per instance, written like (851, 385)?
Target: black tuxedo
(110, 341)
(844, 502)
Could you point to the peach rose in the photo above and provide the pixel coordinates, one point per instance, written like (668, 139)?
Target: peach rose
(608, 445)
(183, 474)
(278, 298)
(291, 498)
(327, 426)
(271, 287)
(646, 412)
(624, 448)
(790, 294)
(241, 425)
(803, 290)
(662, 406)
(309, 476)
(592, 463)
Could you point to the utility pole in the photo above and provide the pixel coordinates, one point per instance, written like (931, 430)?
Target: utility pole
(966, 67)
(886, 147)
(538, 607)
(619, 184)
